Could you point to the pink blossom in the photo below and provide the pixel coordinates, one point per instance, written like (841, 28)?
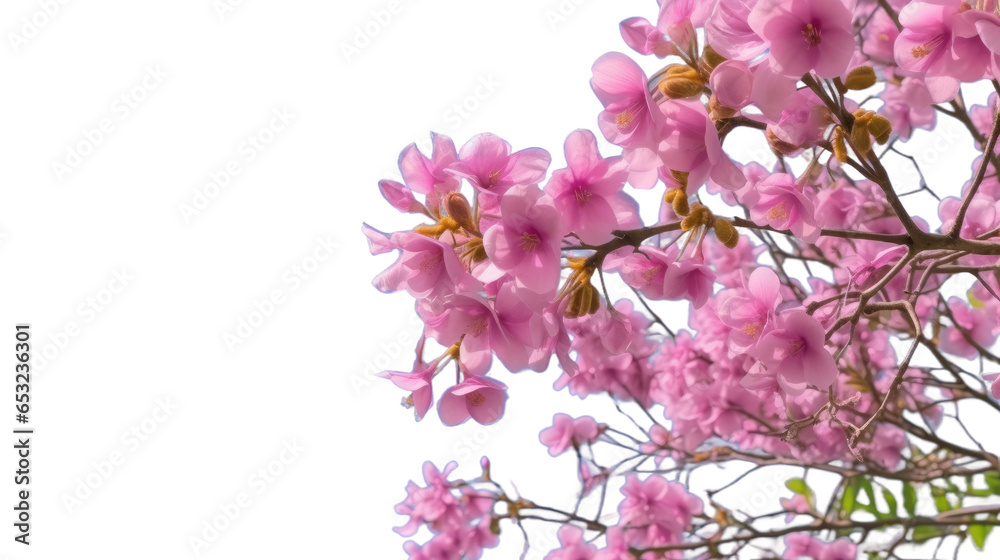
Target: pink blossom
(617, 548)
(750, 311)
(488, 164)
(656, 512)
(645, 269)
(630, 119)
(478, 397)
(908, 106)
(429, 176)
(582, 191)
(732, 83)
(778, 202)
(795, 353)
(644, 38)
(419, 383)
(729, 33)
(975, 325)
(568, 432)
(433, 504)
(797, 504)
(927, 45)
(572, 545)
(504, 326)
(688, 280)
(806, 35)
(426, 268)
(693, 146)
(526, 241)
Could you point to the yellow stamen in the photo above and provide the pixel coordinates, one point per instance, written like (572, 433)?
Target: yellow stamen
(779, 212)
(475, 399)
(529, 241)
(811, 35)
(624, 119)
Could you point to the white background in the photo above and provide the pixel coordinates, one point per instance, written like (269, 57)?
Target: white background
(360, 83)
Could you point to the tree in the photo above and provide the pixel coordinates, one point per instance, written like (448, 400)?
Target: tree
(819, 338)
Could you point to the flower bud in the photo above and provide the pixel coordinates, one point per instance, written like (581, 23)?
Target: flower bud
(679, 200)
(584, 301)
(681, 81)
(700, 215)
(862, 77)
(458, 208)
(726, 232)
(859, 134)
(717, 111)
(880, 128)
(839, 145)
(708, 61)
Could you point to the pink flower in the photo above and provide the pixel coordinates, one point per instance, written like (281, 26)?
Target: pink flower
(731, 83)
(433, 504)
(778, 202)
(526, 241)
(795, 353)
(504, 326)
(573, 547)
(617, 548)
(426, 268)
(806, 35)
(797, 504)
(582, 192)
(645, 270)
(693, 146)
(688, 280)
(644, 38)
(656, 512)
(567, 431)
(750, 312)
(630, 119)
(978, 325)
(728, 31)
(428, 176)
(928, 43)
(908, 106)
(488, 164)
(477, 396)
(419, 382)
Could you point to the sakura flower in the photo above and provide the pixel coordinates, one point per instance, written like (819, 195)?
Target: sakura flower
(504, 326)
(567, 431)
(526, 241)
(419, 382)
(426, 268)
(688, 280)
(433, 504)
(731, 83)
(929, 45)
(630, 119)
(645, 269)
(729, 33)
(693, 146)
(582, 191)
(429, 176)
(487, 163)
(973, 326)
(478, 397)
(806, 35)
(796, 504)
(644, 38)
(795, 353)
(750, 311)
(778, 202)
(572, 545)
(657, 511)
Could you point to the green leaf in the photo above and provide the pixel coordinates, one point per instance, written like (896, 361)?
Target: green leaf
(891, 501)
(993, 481)
(909, 499)
(849, 502)
(978, 534)
(869, 491)
(799, 486)
(942, 504)
(925, 533)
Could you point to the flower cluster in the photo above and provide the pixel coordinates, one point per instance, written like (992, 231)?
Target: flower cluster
(804, 274)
